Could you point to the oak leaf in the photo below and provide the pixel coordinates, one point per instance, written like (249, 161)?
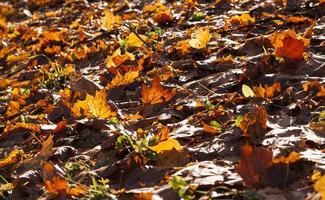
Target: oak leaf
(288, 45)
(93, 106)
(200, 38)
(155, 93)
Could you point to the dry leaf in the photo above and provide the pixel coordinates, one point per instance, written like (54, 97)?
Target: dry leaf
(320, 186)
(288, 45)
(109, 21)
(254, 122)
(11, 127)
(243, 19)
(13, 157)
(117, 58)
(134, 40)
(267, 91)
(253, 164)
(200, 38)
(125, 79)
(56, 185)
(293, 157)
(155, 93)
(93, 106)
(167, 145)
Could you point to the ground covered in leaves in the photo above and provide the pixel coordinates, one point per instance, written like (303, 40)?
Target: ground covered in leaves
(139, 99)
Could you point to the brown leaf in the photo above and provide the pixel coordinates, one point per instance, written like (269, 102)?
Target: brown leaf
(253, 164)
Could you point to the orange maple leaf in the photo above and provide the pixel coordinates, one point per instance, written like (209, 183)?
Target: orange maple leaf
(54, 184)
(155, 93)
(267, 91)
(288, 45)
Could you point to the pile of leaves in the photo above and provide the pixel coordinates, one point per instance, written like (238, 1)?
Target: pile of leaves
(191, 99)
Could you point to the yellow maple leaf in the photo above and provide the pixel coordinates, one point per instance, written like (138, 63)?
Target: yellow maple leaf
(125, 79)
(13, 157)
(200, 38)
(320, 186)
(243, 19)
(109, 21)
(167, 145)
(134, 40)
(93, 106)
(117, 58)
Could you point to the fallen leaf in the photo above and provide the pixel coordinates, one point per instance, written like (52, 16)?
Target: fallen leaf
(288, 45)
(293, 157)
(134, 40)
(109, 21)
(247, 91)
(253, 123)
(93, 106)
(200, 38)
(13, 157)
(267, 91)
(155, 93)
(242, 20)
(253, 164)
(320, 186)
(56, 185)
(125, 79)
(167, 145)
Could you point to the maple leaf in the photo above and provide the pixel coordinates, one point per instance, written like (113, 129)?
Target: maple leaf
(3, 22)
(125, 79)
(155, 93)
(93, 106)
(11, 127)
(162, 14)
(134, 40)
(267, 91)
(109, 21)
(293, 157)
(117, 58)
(200, 38)
(254, 122)
(320, 186)
(288, 45)
(253, 164)
(54, 184)
(13, 157)
(243, 19)
(167, 145)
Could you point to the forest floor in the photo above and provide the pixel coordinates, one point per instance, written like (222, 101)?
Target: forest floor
(139, 99)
